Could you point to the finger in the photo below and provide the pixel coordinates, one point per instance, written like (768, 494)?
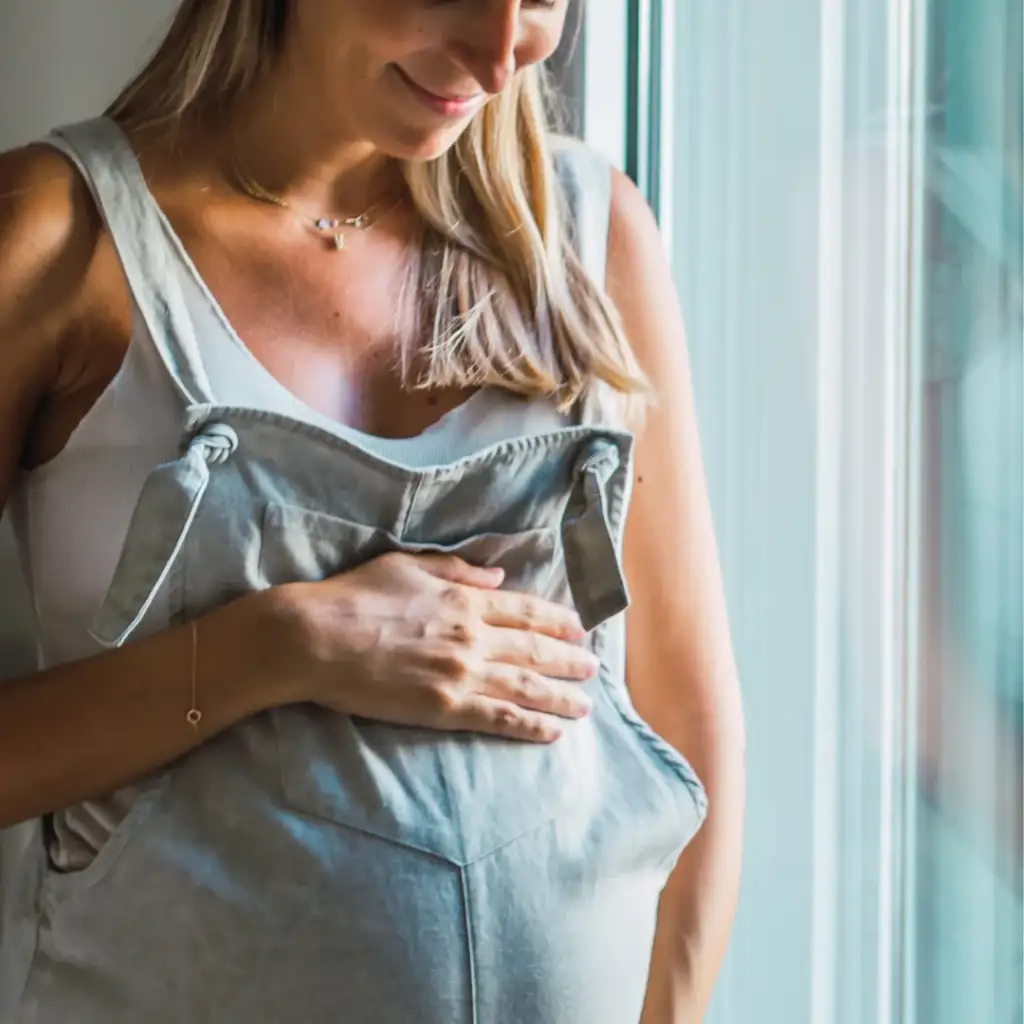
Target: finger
(458, 570)
(544, 654)
(534, 692)
(502, 718)
(513, 610)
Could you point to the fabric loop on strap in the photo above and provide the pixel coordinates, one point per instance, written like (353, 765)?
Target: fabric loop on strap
(588, 542)
(160, 524)
(218, 442)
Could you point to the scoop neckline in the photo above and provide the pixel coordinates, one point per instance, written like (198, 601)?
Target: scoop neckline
(302, 408)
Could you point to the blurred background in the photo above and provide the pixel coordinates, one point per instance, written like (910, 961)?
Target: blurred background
(839, 184)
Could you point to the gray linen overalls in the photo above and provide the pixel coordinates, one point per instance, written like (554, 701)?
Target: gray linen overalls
(307, 867)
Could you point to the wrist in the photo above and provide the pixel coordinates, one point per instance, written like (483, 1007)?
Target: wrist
(302, 633)
(264, 632)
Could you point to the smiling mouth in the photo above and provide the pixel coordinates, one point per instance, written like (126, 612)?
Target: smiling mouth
(446, 106)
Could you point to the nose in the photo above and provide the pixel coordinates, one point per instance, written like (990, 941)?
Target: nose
(486, 48)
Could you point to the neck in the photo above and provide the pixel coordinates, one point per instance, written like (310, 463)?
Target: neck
(311, 161)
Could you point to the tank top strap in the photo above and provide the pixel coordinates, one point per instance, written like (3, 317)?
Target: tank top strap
(586, 179)
(101, 151)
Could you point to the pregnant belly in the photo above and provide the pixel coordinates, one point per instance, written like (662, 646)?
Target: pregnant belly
(342, 926)
(217, 900)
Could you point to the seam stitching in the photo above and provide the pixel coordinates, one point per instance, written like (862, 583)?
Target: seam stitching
(470, 959)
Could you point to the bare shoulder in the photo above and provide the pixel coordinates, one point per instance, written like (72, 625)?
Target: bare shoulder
(49, 234)
(633, 234)
(640, 283)
(49, 229)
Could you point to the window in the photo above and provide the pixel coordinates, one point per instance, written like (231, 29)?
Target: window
(840, 188)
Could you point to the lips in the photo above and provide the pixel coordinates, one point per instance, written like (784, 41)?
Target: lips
(440, 103)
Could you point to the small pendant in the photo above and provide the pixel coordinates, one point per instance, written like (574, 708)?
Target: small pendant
(339, 241)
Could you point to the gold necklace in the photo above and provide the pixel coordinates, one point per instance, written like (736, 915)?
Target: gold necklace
(326, 227)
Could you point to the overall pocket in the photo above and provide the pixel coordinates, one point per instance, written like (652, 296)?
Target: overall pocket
(454, 795)
(57, 885)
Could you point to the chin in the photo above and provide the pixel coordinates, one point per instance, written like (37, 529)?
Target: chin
(420, 144)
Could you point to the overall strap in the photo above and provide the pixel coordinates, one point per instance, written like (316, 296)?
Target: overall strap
(160, 526)
(104, 156)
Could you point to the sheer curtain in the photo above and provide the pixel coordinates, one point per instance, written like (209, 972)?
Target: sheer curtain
(839, 185)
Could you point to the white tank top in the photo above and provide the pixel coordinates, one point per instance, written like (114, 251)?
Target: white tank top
(71, 515)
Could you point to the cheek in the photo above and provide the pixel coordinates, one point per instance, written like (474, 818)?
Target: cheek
(537, 45)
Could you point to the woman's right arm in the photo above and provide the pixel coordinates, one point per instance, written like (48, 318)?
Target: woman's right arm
(85, 728)
(418, 640)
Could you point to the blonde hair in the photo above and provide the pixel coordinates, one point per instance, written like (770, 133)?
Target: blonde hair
(509, 303)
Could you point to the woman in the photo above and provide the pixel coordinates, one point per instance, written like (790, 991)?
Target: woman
(369, 755)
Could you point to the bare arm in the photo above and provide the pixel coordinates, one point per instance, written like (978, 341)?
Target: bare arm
(680, 668)
(83, 729)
